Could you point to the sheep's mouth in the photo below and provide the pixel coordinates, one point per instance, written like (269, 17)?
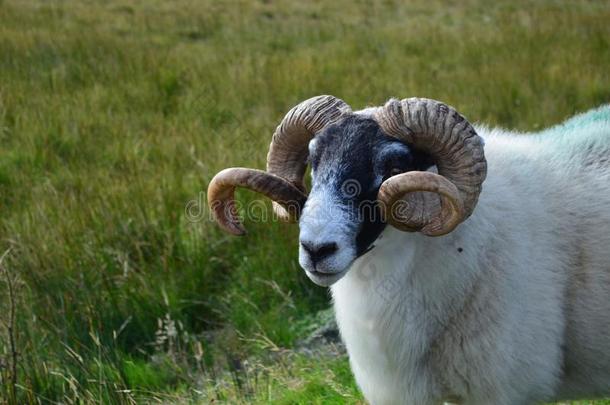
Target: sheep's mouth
(325, 279)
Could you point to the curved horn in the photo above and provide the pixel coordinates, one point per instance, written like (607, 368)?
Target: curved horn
(287, 157)
(222, 188)
(439, 130)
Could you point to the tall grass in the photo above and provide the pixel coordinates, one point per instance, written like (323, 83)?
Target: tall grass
(114, 115)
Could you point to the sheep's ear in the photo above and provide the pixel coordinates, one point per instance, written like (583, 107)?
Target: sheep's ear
(312, 147)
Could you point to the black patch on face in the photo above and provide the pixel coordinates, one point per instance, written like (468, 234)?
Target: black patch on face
(354, 156)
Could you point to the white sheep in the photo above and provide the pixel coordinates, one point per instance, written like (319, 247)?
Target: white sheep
(508, 304)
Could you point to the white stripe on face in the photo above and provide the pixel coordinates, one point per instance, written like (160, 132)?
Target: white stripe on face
(324, 221)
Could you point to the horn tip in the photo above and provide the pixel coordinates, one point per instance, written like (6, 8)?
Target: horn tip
(234, 229)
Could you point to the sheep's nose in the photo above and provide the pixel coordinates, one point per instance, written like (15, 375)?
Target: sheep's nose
(319, 251)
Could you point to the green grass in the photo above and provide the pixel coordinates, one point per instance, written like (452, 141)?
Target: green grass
(115, 114)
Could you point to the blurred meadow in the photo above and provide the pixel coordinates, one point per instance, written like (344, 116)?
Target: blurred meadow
(114, 115)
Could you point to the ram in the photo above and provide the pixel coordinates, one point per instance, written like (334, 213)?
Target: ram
(491, 284)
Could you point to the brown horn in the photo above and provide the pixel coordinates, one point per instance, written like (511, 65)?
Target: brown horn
(221, 192)
(288, 151)
(436, 204)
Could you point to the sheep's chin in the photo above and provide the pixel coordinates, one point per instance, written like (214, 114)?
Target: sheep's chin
(325, 279)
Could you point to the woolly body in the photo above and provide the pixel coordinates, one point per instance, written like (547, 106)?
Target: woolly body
(513, 307)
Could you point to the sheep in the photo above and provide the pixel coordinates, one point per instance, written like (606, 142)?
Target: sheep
(508, 303)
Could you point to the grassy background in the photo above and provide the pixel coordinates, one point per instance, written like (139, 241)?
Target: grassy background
(115, 114)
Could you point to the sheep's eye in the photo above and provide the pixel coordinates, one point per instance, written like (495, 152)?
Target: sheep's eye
(394, 171)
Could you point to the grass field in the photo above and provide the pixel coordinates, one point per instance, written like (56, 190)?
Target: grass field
(114, 115)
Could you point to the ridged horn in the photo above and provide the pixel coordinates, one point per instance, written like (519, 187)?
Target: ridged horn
(221, 192)
(288, 151)
(433, 204)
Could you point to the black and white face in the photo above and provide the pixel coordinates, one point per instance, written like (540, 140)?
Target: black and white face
(340, 221)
